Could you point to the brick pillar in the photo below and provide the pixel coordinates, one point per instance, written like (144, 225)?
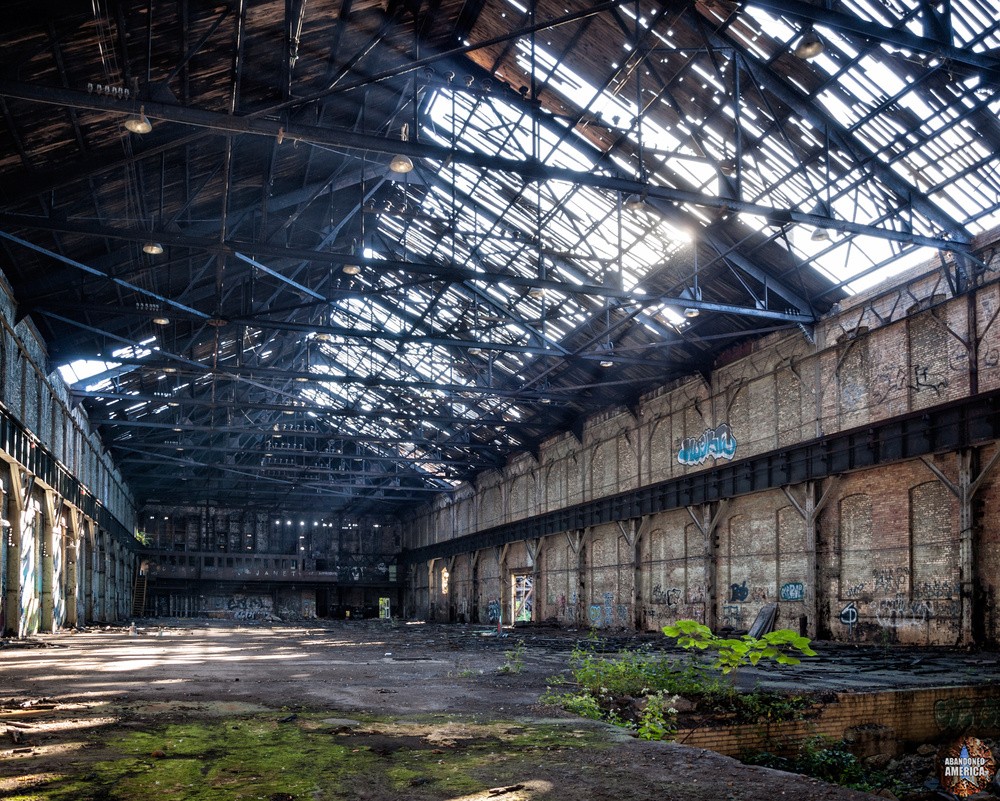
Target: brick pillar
(48, 542)
(15, 508)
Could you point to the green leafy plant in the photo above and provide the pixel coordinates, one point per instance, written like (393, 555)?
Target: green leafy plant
(636, 673)
(829, 761)
(634, 689)
(514, 659)
(637, 689)
(658, 719)
(780, 646)
(582, 704)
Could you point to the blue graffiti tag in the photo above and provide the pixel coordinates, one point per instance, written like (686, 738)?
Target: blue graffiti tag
(718, 443)
(793, 591)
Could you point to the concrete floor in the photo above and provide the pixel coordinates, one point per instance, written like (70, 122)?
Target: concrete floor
(428, 673)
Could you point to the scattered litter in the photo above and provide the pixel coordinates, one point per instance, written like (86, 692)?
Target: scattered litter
(764, 622)
(288, 719)
(504, 790)
(38, 703)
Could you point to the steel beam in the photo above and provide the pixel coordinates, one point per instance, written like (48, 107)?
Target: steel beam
(983, 63)
(529, 169)
(450, 272)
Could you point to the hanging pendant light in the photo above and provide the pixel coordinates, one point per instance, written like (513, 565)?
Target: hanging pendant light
(351, 268)
(820, 234)
(609, 350)
(809, 45)
(635, 202)
(139, 123)
(402, 164)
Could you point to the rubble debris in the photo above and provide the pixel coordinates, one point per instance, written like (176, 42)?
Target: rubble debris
(513, 788)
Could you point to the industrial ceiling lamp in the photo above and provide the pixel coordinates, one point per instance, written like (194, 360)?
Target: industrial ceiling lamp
(635, 202)
(351, 268)
(693, 292)
(607, 347)
(609, 350)
(152, 248)
(402, 164)
(821, 234)
(138, 123)
(809, 45)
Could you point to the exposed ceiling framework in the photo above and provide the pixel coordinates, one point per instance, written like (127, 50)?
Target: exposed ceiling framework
(603, 198)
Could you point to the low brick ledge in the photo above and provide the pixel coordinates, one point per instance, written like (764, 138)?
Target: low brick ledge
(916, 716)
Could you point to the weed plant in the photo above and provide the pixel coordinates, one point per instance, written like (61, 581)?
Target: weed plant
(638, 689)
(513, 659)
(829, 761)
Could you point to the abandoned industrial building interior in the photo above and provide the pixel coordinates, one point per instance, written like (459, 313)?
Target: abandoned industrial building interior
(526, 315)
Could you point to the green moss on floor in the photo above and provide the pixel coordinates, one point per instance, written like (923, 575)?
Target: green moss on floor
(274, 758)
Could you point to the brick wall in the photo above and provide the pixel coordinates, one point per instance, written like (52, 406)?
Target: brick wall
(876, 555)
(915, 716)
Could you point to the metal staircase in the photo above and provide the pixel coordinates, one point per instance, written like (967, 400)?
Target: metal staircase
(139, 596)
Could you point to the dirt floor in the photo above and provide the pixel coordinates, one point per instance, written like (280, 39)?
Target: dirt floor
(339, 710)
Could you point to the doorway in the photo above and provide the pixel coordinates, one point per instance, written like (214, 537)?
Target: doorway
(522, 594)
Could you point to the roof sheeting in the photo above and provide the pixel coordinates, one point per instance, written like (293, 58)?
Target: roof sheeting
(604, 198)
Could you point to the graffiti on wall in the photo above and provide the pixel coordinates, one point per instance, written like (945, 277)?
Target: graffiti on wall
(891, 579)
(58, 598)
(493, 611)
(855, 590)
(670, 596)
(717, 443)
(962, 714)
(734, 616)
(31, 580)
(893, 380)
(923, 379)
(738, 593)
(937, 588)
(901, 611)
(887, 382)
(249, 607)
(792, 591)
(608, 614)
